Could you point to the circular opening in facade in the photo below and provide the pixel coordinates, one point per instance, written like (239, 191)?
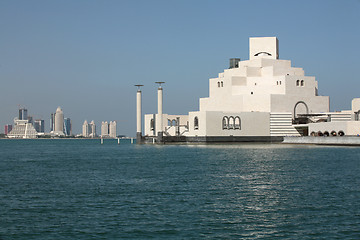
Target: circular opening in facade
(341, 133)
(312, 134)
(326, 134)
(319, 133)
(333, 133)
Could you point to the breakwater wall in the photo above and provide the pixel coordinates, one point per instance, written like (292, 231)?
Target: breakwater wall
(344, 140)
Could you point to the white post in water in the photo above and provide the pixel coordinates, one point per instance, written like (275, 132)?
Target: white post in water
(138, 115)
(132, 141)
(118, 140)
(160, 112)
(102, 141)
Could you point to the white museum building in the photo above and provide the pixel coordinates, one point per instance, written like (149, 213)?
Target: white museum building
(261, 99)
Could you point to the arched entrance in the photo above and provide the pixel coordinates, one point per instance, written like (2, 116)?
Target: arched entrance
(300, 108)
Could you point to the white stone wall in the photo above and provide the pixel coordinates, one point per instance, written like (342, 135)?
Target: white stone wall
(148, 131)
(211, 124)
(201, 129)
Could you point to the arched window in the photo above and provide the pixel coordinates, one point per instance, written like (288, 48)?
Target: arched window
(222, 84)
(302, 83)
(152, 124)
(173, 122)
(218, 84)
(297, 82)
(225, 123)
(231, 122)
(277, 82)
(280, 82)
(169, 122)
(196, 123)
(237, 122)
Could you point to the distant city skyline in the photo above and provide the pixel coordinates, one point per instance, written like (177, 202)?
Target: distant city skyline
(59, 126)
(62, 126)
(86, 56)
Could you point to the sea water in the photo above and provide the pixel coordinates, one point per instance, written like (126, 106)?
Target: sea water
(80, 189)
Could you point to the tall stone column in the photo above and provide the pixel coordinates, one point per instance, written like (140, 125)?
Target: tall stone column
(160, 112)
(138, 115)
(160, 100)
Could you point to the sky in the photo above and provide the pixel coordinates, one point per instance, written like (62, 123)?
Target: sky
(86, 55)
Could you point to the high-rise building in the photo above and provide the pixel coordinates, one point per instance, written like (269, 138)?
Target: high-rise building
(89, 129)
(7, 128)
(57, 120)
(104, 129)
(23, 114)
(92, 129)
(30, 119)
(108, 129)
(52, 122)
(112, 129)
(67, 127)
(85, 129)
(39, 125)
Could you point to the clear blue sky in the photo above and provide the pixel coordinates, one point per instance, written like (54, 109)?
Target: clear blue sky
(85, 55)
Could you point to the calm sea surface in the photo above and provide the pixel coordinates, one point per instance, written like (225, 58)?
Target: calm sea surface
(79, 189)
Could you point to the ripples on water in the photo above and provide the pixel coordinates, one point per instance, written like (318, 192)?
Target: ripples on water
(79, 189)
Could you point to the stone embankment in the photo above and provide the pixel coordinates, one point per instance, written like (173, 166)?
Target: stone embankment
(341, 141)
